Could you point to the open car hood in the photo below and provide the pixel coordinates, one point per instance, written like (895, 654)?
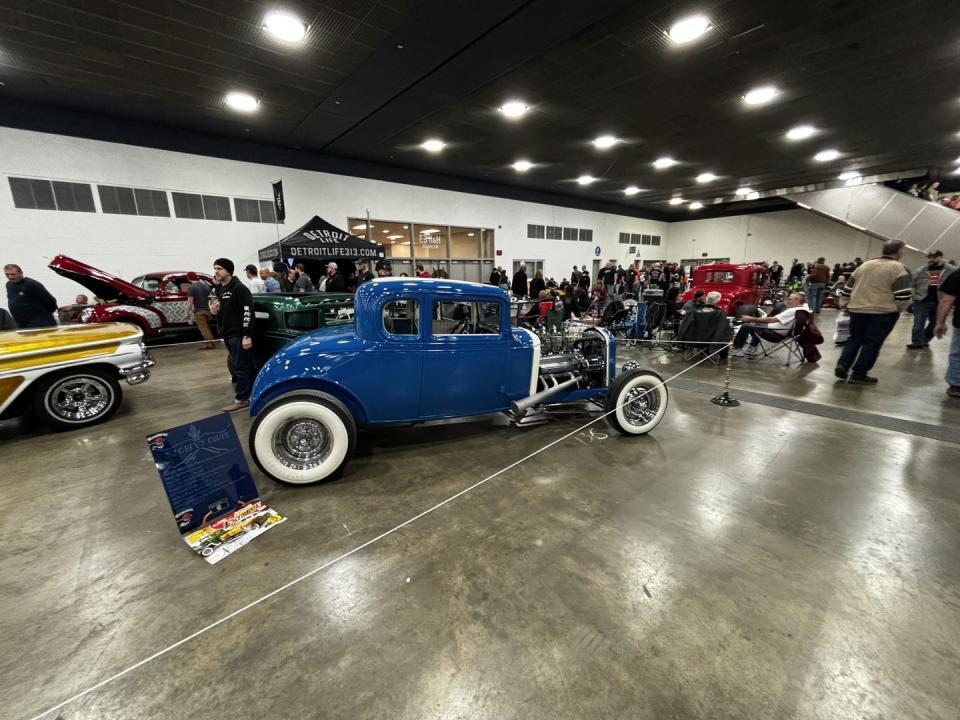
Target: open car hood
(104, 285)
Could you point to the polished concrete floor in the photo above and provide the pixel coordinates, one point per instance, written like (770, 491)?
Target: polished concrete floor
(737, 563)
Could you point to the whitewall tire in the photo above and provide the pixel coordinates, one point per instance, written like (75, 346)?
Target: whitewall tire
(302, 440)
(636, 402)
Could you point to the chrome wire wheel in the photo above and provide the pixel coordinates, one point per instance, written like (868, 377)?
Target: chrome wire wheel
(642, 405)
(302, 443)
(79, 398)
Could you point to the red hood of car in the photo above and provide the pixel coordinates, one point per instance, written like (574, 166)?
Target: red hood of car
(104, 285)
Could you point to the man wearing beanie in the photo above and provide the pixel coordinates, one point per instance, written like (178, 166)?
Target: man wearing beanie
(233, 308)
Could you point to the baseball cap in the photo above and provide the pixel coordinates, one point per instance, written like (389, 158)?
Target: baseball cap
(333, 265)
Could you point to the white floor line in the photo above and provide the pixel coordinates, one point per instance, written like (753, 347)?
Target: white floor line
(345, 555)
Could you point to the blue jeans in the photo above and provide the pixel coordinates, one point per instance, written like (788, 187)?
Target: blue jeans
(953, 362)
(924, 320)
(241, 364)
(815, 296)
(867, 335)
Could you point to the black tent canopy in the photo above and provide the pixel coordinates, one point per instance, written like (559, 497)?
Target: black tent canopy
(319, 240)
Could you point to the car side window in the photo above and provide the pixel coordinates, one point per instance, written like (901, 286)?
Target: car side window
(400, 317)
(460, 317)
(301, 320)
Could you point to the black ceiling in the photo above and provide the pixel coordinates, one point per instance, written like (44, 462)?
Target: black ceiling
(373, 79)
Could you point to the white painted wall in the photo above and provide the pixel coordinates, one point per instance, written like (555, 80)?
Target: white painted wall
(129, 245)
(776, 236)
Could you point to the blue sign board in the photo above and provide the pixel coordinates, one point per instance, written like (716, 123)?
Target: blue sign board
(203, 470)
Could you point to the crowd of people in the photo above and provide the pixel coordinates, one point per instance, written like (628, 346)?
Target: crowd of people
(873, 294)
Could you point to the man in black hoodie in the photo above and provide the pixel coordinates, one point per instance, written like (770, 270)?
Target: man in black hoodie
(233, 308)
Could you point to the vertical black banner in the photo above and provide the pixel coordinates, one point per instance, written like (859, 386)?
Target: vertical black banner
(278, 205)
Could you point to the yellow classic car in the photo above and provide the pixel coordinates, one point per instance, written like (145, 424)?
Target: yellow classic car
(68, 376)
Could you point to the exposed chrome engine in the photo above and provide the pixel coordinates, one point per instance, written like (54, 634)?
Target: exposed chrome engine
(575, 358)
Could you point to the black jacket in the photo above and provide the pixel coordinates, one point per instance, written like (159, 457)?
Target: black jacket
(536, 285)
(236, 309)
(494, 278)
(519, 285)
(336, 284)
(30, 304)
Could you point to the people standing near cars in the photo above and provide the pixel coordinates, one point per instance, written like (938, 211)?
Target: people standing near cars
(270, 281)
(363, 273)
(233, 308)
(303, 283)
(819, 277)
(519, 285)
(254, 282)
(537, 284)
(198, 304)
(421, 273)
(776, 273)
(334, 281)
(927, 282)
(877, 292)
(949, 290)
(29, 302)
(6, 321)
(608, 275)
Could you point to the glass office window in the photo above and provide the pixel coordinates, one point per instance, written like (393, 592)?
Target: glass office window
(430, 241)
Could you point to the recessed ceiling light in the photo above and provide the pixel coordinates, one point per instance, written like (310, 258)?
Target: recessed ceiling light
(395, 237)
(586, 179)
(514, 109)
(695, 205)
(753, 196)
(522, 165)
(855, 180)
(706, 177)
(433, 145)
(385, 230)
(827, 155)
(471, 234)
(743, 191)
(848, 175)
(406, 227)
(241, 101)
(664, 162)
(632, 190)
(430, 231)
(285, 26)
(801, 132)
(761, 95)
(688, 29)
(677, 201)
(605, 141)
(359, 227)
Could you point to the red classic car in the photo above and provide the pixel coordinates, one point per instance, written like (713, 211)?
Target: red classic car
(746, 284)
(155, 302)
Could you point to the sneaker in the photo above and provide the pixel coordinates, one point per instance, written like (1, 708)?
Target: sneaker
(954, 391)
(840, 372)
(915, 346)
(863, 380)
(235, 406)
(738, 353)
(753, 351)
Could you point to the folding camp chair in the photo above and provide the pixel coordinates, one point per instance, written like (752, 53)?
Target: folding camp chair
(702, 332)
(787, 345)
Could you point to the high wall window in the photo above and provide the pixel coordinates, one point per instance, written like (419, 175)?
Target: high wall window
(30, 194)
(201, 207)
(250, 210)
(133, 201)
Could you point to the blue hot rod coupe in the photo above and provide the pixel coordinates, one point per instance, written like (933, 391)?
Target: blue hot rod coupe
(421, 350)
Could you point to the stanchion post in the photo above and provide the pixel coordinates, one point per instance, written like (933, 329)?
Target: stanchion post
(724, 399)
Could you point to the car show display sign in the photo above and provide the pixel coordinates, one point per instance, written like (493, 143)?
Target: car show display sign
(208, 483)
(318, 239)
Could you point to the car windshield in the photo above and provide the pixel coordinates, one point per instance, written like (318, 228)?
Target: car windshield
(148, 284)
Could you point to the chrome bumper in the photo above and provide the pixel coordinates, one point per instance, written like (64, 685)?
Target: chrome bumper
(139, 373)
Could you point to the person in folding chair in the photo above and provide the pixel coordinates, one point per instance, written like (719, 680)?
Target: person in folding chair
(704, 329)
(773, 328)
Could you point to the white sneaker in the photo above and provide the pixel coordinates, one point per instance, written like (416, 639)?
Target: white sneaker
(753, 351)
(738, 353)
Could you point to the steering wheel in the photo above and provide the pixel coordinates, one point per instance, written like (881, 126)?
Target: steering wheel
(461, 327)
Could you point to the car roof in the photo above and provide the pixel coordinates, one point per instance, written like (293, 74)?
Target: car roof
(389, 285)
(731, 266)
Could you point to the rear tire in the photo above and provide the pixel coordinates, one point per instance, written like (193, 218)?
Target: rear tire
(302, 440)
(636, 402)
(77, 398)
